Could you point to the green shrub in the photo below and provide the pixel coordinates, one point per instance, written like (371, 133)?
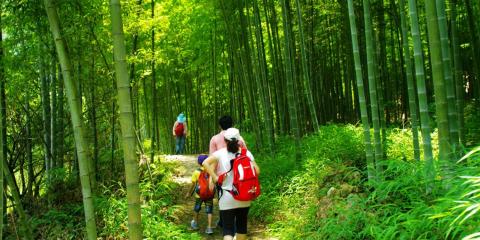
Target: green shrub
(66, 222)
(400, 144)
(325, 195)
(464, 211)
(400, 207)
(61, 187)
(294, 187)
(157, 192)
(155, 215)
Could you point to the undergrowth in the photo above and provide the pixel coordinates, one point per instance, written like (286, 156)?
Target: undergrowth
(324, 195)
(67, 222)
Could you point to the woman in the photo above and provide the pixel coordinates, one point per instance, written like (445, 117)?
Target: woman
(232, 212)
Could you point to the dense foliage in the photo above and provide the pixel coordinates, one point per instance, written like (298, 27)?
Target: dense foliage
(73, 125)
(325, 196)
(62, 220)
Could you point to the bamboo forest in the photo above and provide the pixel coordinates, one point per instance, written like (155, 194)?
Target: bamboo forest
(117, 117)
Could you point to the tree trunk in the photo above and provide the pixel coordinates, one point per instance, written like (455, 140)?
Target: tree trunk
(45, 110)
(306, 71)
(361, 94)
(412, 100)
(17, 201)
(60, 121)
(264, 89)
(422, 92)
(275, 67)
(91, 164)
(292, 101)
(126, 123)
(246, 60)
(154, 90)
(53, 114)
(372, 85)
(438, 84)
(93, 119)
(77, 121)
(381, 75)
(458, 77)
(28, 136)
(282, 112)
(147, 111)
(447, 72)
(134, 85)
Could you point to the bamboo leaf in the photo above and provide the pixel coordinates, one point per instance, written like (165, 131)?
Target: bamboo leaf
(474, 209)
(462, 214)
(473, 236)
(471, 192)
(440, 215)
(475, 150)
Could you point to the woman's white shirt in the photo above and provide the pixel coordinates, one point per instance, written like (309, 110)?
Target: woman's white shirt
(227, 201)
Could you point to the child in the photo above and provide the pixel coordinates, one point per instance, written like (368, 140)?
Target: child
(203, 187)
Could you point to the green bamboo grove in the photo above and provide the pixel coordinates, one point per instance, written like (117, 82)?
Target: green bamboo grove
(89, 89)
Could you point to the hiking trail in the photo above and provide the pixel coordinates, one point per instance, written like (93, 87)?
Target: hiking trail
(182, 175)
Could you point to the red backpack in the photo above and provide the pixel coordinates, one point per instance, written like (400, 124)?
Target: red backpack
(179, 129)
(246, 186)
(205, 187)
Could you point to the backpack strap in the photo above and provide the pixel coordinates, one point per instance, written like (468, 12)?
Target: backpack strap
(221, 178)
(219, 191)
(196, 183)
(243, 152)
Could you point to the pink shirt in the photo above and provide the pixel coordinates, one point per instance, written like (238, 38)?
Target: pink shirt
(218, 142)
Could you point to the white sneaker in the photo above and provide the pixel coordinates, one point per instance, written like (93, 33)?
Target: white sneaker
(194, 225)
(209, 231)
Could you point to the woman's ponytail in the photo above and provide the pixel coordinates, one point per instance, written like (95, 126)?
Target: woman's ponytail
(232, 146)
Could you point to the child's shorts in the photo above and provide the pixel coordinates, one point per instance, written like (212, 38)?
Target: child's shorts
(208, 205)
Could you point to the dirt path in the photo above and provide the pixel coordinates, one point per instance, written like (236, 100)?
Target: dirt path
(188, 164)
